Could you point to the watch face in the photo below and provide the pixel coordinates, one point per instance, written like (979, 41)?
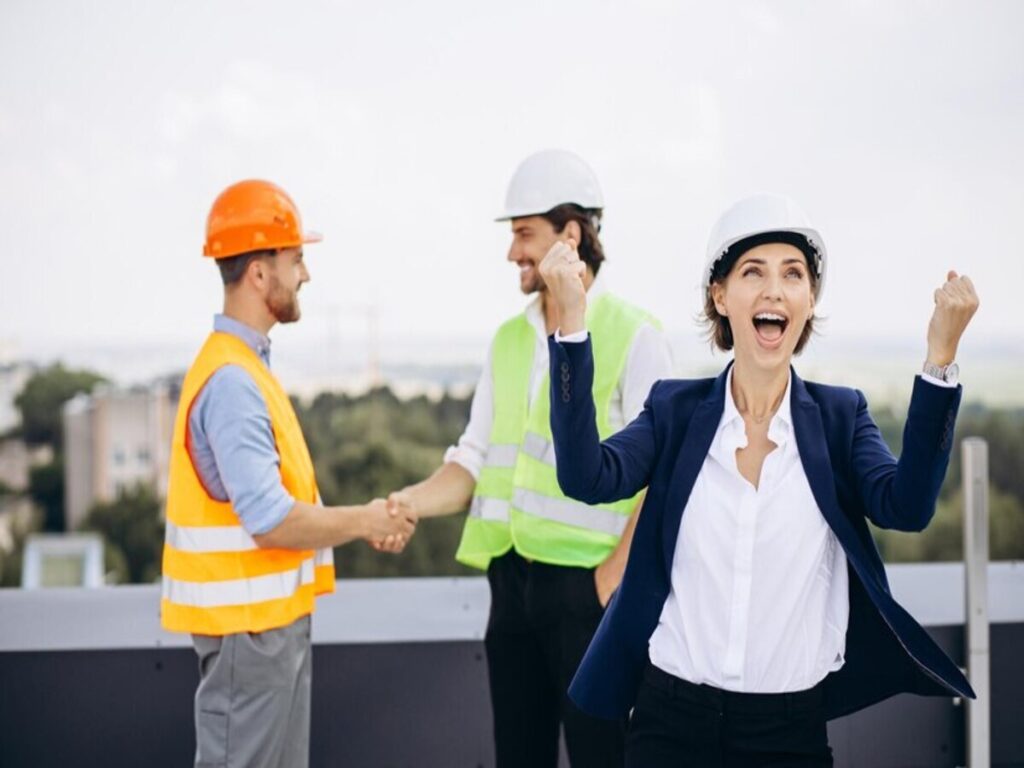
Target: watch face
(952, 373)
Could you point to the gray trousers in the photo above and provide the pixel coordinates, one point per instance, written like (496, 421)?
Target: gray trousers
(253, 700)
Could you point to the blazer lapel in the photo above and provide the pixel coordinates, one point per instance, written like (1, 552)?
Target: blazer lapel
(814, 455)
(696, 442)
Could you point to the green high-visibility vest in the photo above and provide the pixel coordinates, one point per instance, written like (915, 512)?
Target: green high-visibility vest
(517, 501)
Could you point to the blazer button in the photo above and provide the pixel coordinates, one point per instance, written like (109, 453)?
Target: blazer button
(565, 367)
(565, 397)
(565, 376)
(946, 442)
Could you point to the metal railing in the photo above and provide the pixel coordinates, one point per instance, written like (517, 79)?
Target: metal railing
(974, 463)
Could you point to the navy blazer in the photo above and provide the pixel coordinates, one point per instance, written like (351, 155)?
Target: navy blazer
(853, 476)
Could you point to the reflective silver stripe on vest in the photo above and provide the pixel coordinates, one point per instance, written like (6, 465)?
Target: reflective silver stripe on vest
(323, 557)
(542, 450)
(501, 455)
(212, 594)
(197, 538)
(485, 508)
(569, 512)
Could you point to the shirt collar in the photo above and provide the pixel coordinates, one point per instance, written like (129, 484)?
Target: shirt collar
(535, 312)
(253, 339)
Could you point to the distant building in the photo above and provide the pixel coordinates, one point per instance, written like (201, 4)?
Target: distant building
(17, 458)
(114, 439)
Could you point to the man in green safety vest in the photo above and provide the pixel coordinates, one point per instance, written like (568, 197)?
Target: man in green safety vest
(552, 563)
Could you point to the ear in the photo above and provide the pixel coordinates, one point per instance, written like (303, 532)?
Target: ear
(811, 312)
(571, 231)
(257, 272)
(718, 296)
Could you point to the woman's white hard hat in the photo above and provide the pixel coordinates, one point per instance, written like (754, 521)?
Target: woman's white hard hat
(758, 215)
(548, 179)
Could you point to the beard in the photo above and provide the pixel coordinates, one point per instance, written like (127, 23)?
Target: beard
(532, 284)
(282, 303)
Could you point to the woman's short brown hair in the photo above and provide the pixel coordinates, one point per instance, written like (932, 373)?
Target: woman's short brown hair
(718, 329)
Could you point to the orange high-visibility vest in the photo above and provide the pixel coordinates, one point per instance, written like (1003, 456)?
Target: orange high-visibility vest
(216, 579)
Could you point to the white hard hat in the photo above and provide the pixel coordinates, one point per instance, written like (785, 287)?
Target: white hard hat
(758, 215)
(548, 179)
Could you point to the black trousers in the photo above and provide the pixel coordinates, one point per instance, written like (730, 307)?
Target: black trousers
(542, 619)
(676, 723)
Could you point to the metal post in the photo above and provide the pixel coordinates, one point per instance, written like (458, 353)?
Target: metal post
(974, 461)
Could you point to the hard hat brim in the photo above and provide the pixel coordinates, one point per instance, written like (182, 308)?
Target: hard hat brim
(812, 236)
(522, 214)
(307, 237)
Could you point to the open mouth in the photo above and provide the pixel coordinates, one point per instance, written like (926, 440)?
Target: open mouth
(770, 327)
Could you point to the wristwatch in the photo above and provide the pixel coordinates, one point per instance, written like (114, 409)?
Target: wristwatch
(947, 373)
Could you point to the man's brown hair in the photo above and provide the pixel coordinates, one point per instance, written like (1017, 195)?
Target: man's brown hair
(589, 248)
(233, 267)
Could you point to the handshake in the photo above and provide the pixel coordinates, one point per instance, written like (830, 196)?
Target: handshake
(391, 522)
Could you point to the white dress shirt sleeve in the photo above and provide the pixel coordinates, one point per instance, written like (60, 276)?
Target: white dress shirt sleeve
(937, 382)
(572, 338)
(471, 450)
(650, 359)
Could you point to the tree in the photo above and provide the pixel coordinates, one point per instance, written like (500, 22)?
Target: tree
(370, 445)
(943, 539)
(46, 488)
(131, 524)
(42, 399)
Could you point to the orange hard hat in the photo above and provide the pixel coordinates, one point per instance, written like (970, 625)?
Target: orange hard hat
(253, 215)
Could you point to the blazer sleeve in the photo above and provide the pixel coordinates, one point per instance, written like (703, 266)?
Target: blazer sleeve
(589, 470)
(901, 494)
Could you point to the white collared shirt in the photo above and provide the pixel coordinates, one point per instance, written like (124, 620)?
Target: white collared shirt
(759, 598)
(649, 359)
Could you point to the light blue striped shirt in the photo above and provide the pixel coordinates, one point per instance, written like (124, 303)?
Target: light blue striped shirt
(231, 440)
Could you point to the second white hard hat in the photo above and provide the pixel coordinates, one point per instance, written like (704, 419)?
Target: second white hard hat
(758, 215)
(548, 179)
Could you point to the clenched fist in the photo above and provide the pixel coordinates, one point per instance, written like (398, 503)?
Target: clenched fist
(563, 273)
(955, 305)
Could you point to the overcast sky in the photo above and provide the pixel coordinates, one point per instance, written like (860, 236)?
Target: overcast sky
(899, 126)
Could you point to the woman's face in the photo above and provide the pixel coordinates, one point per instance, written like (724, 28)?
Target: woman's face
(768, 299)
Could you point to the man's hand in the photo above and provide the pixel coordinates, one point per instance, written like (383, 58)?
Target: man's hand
(563, 272)
(955, 305)
(607, 577)
(399, 505)
(389, 526)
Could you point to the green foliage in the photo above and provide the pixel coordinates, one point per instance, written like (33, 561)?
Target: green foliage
(41, 400)
(365, 447)
(11, 559)
(1004, 432)
(10, 565)
(133, 530)
(46, 488)
(943, 539)
(369, 445)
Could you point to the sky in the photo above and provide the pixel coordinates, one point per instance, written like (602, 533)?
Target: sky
(899, 127)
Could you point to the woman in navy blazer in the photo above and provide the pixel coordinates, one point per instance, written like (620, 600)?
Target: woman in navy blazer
(765, 270)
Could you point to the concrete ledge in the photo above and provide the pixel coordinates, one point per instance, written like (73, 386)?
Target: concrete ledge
(405, 610)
